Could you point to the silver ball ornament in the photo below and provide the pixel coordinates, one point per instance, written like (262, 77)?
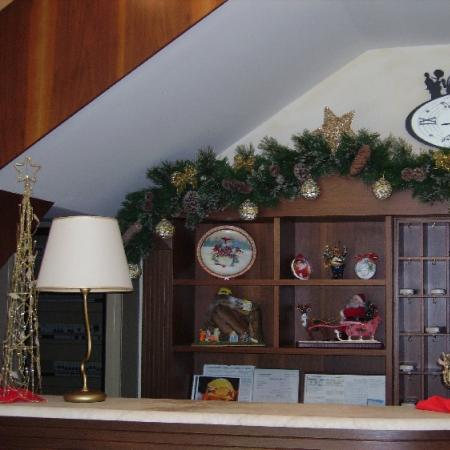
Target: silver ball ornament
(382, 189)
(134, 270)
(248, 210)
(310, 190)
(164, 229)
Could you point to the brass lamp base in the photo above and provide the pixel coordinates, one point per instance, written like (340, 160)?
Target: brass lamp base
(85, 396)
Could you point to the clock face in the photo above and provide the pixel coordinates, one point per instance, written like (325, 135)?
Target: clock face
(430, 122)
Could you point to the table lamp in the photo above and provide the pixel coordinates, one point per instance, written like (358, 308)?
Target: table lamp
(84, 254)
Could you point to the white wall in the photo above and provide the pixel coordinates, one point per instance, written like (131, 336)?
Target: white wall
(382, 87)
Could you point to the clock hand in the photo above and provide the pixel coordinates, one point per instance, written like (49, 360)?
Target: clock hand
(446, 123)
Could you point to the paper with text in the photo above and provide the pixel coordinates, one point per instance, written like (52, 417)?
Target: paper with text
(276, 385)
(345, 389)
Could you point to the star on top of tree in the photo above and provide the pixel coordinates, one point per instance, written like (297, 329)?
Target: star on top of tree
(27, 170)
(333, 127)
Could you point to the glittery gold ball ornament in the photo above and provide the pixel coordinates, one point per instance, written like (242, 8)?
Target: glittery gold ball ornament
(134, 270)
(248, 210)
(310, 189)
(382, 189)
(164, 229)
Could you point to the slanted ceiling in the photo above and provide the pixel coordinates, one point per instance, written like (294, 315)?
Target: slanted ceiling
(211, 86)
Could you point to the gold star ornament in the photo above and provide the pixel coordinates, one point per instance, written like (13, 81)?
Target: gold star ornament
(334, 127)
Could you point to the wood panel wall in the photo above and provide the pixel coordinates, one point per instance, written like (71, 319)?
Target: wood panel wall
(58, 55)
(9, 207)
(157, 356)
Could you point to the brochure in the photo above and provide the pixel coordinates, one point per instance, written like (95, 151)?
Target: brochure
(215, 388)
(246, 383)
(244, 373)
(345, 389)
(276, 385)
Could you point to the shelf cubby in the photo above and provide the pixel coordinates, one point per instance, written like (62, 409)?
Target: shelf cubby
(422, 264)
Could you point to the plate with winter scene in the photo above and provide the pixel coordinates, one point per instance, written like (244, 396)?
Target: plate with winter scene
(226, 251)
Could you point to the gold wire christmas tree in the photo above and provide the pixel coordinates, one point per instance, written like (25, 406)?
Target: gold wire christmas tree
(21, 356)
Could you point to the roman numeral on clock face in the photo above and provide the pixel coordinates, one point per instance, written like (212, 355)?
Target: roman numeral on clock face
(427, 120)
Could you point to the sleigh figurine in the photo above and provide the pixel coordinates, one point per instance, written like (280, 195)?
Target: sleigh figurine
(353, 330)
(359, 330)
(359, 321)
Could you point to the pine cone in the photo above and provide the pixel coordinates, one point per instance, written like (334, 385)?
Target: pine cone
(191, 202)
(148, 201)
(274, 170)
(131, 231)
(361, 159)
(407, 174)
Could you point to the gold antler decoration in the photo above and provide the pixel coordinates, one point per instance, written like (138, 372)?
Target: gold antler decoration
(444, 361)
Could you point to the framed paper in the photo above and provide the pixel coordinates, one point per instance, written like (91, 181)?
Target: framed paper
(226, 251)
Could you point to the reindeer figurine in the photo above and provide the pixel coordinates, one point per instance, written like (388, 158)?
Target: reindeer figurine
(445, 363)
(304, 309)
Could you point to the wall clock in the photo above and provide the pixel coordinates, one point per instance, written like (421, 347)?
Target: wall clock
(430, 122)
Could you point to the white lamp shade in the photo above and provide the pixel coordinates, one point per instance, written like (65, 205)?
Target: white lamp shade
(84, 252)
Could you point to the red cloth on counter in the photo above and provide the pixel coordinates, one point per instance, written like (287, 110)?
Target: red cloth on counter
(434, 403)
(12, 395)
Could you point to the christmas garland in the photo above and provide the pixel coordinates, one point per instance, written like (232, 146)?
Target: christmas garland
(194, 189)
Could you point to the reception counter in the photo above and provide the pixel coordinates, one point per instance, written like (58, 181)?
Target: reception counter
(120, 423)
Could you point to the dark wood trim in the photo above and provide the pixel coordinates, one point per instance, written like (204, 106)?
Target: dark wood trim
(388, 255)
(10, 218)
(279, 350)
(27, 433)
(156, 322)
(281, 282)
(346, 196)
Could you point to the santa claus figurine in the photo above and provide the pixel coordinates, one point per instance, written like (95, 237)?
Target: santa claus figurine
(355, 310)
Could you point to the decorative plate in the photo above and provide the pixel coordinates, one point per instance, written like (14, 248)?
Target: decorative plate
(365, 268)
(301, 268)
(226, 251)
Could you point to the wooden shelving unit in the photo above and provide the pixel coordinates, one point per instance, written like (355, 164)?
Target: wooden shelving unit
(178, 292)
(422, 257)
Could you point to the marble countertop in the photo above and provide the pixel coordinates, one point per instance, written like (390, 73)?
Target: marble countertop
(246, 414)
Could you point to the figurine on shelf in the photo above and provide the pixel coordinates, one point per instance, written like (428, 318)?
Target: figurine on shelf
(304, 310)
(335, 259)
(300, 267)
(358, 319)
(355, 309)
(231, 320)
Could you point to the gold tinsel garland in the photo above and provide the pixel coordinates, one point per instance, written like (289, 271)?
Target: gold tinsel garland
(181, 180)
(245, 162)
(441, 160)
